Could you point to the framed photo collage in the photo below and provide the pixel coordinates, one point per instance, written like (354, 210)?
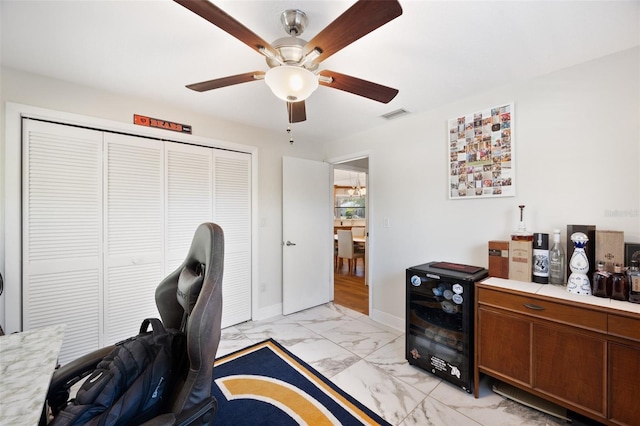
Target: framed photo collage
(481, 154)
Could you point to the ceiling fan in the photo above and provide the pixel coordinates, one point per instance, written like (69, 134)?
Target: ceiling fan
(293, 62)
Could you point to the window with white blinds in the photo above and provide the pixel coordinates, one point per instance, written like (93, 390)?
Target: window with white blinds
(107, 216)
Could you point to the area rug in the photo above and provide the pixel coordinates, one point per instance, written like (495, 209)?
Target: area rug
(265, 384)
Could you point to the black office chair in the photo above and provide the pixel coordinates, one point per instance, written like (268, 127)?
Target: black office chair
(189, 299)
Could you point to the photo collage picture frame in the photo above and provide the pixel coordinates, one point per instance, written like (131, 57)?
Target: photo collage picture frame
(481, 160)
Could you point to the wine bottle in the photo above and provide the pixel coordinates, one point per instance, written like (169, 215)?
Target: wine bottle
(619, 284)
(541, 258)
(521, 251)
(633, 273)
(601, 282)
(557, 261)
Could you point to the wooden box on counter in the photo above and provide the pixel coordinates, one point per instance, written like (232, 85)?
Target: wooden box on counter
(499, 259)
(610, 248)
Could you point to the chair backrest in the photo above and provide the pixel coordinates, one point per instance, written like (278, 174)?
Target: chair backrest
(357, 231)
(345, 244)
(190, 298)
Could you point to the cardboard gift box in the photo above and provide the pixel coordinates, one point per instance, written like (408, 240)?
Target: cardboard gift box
(520, 260)
(610, 248)
(499, 259)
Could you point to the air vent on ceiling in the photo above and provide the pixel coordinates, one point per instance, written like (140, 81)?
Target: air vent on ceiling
(395, 114)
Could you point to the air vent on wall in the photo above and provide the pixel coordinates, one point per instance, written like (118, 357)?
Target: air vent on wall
(395, 114)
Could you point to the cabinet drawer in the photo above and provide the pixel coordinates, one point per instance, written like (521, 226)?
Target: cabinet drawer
(624, 327)
(542, 308)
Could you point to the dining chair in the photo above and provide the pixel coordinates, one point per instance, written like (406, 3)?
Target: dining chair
(357, 231)
(346, 249)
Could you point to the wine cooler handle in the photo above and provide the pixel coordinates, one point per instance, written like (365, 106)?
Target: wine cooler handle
(534, 307)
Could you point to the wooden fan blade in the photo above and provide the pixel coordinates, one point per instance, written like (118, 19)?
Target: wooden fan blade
(358, 21)
(225, 22)
(296, 111)
(357, 86)
(203, 86)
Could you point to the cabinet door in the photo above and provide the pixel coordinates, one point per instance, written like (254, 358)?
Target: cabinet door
(504, 343)
(624, 371)
(570, 366)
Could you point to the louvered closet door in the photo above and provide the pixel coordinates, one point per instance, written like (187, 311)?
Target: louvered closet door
(189, 182)
(134, 227)
(232, 211)
(62, 233)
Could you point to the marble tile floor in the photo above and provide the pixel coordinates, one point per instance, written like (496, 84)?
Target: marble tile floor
(366, 360)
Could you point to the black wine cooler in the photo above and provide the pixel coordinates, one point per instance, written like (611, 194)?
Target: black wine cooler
(439, 320)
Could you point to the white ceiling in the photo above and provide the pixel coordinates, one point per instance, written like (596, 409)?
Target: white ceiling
(436, 52)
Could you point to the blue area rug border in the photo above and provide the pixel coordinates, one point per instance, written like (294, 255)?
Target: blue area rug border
(234, 356)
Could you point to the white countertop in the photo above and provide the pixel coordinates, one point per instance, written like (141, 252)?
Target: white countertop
(27, 361)
(560, 292)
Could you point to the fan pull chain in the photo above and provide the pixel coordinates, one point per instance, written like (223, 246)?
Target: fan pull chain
(290, 111)
(290, 135)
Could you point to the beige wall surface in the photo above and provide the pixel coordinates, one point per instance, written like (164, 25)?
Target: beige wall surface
(577, 156)
(577, 150)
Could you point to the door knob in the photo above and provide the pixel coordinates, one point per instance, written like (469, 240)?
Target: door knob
(289, 243)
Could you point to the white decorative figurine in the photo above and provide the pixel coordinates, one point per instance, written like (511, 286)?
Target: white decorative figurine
(579, 265)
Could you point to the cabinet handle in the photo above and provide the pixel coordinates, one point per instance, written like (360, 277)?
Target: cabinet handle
(534, 307)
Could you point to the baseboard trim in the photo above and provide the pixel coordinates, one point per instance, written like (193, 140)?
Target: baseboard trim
(268, 312)
(388, 319)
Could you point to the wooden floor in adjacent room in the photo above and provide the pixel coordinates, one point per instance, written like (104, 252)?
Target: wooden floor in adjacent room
(350, 290)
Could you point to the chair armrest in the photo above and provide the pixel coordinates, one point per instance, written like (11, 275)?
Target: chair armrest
(72, 372)
(69, 374)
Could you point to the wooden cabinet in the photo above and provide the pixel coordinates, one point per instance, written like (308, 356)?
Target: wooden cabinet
(580, 356)
(624, 373)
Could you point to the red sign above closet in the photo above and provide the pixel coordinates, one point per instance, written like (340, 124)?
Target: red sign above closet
(143, 120)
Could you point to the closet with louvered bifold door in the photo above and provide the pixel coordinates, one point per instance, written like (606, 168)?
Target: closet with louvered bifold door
(107, 216)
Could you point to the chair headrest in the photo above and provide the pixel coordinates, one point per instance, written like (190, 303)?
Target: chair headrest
(189, 285)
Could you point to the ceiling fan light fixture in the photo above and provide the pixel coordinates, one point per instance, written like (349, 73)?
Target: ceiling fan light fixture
(291, 83)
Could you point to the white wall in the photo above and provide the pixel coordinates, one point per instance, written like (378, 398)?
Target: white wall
(28, 89)
(577, 142)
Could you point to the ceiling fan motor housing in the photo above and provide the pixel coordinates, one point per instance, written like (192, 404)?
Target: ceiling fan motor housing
(294, 21)
(290, 51)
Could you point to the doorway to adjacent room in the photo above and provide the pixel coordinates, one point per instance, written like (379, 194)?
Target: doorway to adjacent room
(350, 201)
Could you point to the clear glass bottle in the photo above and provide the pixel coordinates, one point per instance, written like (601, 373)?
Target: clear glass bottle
(521, 233)
(633, 274)
(601, 281)
(557, 261)
(521, 252)
(619, 284)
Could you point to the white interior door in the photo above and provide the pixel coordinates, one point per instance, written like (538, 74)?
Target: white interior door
(307, 269)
